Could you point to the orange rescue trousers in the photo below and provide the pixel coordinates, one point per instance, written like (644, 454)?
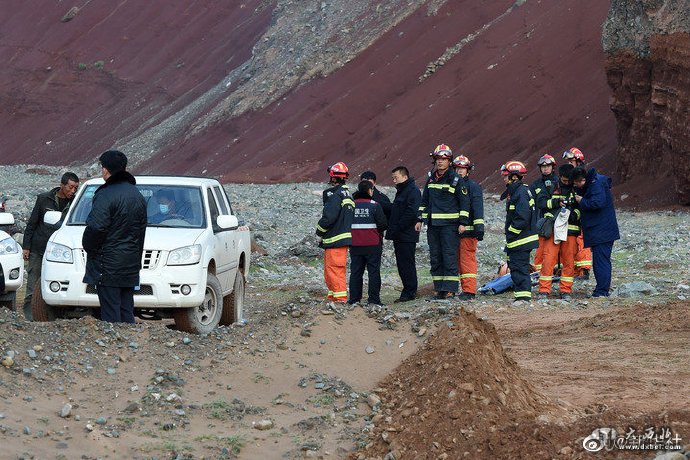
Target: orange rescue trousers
(334, 272)
(583, 258)
(467, 264)
(566, 251)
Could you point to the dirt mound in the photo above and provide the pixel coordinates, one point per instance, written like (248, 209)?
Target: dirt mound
(460, 393)
(461, 396)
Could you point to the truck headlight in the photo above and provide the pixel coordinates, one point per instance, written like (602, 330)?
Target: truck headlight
(187, 255)
(58, 253)
(8, 246)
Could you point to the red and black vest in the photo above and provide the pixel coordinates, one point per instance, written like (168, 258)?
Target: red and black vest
(364, 228)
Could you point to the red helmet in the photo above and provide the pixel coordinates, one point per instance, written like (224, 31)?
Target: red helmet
(546, 160)
(442, 151)
(516, 167)
(504, 171)
(575, 153)
(339, 170)
(578, 153)
(462, 162)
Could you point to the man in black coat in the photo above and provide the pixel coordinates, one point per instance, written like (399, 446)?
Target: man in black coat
(114, 239)
(401, 223)
(37, 232)
(378, 196)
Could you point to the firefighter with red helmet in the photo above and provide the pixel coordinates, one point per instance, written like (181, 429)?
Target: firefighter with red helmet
(445, 209)
(474, 232)
(520, 231)
(583, 258)
(561, 253)
(542, 190)
(335, 230)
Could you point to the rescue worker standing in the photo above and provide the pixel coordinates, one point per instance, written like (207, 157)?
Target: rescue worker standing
(334, 229)
(467, 252)
(445, 209)
(564, 251)
(542, 190)
(367, 244)
(520, 230)
(583, 258)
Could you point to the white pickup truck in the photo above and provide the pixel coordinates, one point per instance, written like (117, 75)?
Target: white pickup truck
(194, 266)
(11, 265)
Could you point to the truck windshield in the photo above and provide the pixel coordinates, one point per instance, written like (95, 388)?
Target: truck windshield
(166, 206)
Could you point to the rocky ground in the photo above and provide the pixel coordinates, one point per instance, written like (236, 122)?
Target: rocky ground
(303, 380)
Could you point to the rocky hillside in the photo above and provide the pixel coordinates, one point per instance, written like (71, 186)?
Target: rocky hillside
(648, 69)
(277, 90)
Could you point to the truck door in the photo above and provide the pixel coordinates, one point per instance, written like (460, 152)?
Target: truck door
(226, 265)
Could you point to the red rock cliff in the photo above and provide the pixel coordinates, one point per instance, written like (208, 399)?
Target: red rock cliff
(648, 70)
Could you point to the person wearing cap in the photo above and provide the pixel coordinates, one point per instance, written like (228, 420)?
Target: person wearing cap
(335, 231)
(114, 239)
(378, 196)
(445, 210)
(520, 231)
(583, 258)
(401, 230)
(37, 232)
(474, 232)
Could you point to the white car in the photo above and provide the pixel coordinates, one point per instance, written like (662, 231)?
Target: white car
(11, 265)
(194, 266)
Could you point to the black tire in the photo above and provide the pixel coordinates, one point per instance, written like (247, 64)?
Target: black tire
(233, 304)
(9, 300)
(40, 310)
(206, 317)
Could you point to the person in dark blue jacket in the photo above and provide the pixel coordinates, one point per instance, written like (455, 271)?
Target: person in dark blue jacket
(114, 239)
(401, 230)
(598, 221)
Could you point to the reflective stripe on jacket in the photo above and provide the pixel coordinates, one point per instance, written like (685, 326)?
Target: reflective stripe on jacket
(475, 228)
(445, 201)
(543, 189)
(335, 224)
(368, 224)
(521, 219)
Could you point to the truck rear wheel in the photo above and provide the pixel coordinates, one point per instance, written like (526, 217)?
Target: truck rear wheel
(233, 304)
(204, 318)
(40, 310)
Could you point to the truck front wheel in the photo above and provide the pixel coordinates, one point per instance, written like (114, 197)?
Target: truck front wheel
(8, 300)
(204, 318)
(40, 310)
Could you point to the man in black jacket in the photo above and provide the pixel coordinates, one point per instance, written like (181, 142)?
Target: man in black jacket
(114, 239)
(37, 232)
(401, 230)
(378, 196)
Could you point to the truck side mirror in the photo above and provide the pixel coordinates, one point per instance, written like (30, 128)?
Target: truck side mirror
(52, 217)
(227, 222)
